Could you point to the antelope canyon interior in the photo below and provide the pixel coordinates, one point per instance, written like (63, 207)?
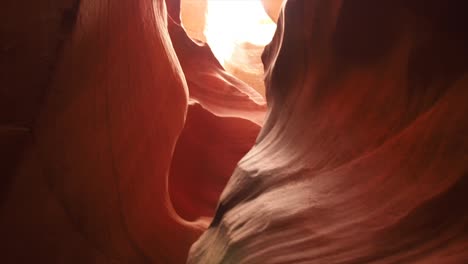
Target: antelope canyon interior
(234, 131)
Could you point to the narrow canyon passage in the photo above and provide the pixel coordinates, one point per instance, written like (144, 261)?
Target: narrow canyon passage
(235, 31)
(126, 137)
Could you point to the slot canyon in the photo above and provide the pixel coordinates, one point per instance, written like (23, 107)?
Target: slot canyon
(124, 138)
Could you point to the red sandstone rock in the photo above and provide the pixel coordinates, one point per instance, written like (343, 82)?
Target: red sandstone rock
(94, 186)
(210, 85)
(207, 152)
(364, 156)
(273, 7)
(222, 124)
(362, 159)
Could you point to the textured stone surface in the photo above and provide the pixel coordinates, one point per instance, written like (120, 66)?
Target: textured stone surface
(363, 157)
(86, 165)
(224, 118)
(245, 61)
(118, 135)
(91, 187)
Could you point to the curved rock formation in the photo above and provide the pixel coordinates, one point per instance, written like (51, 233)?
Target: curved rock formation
(273, 8)
(88, 140)
(222, 124)
(196, 183)
(363, 157)
(237, 32)
(118, 134)
(92, 184)
(246, 64)
(193, 18)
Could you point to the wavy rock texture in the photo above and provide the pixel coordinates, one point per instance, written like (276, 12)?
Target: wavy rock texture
(245, 63)
(107, 155)
(210, 85)
(118, 134)
(92, 186)
(223, 121)
(363, 157)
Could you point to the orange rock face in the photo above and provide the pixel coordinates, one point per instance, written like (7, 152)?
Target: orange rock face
(88, 164)
(119, 136)
(92, 185)
(223, 121)
(363, 157)
(273, 8)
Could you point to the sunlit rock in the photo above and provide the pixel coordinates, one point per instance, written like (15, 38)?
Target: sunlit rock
(120, 137)
(363, 157)
(273, 8)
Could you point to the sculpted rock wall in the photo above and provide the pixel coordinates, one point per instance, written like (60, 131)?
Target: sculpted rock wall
(103, 163)
(224, 118)
(118, 134)
(27, 59)
(273, 8)
(237, 32)
(363, 157)
(193, 17)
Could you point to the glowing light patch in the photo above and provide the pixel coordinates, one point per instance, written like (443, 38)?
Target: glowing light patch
(236, 21)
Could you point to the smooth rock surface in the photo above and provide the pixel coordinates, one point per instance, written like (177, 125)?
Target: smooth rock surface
(118, 135)
(363, 157)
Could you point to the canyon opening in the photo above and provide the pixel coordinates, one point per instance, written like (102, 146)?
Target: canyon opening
(236, 32)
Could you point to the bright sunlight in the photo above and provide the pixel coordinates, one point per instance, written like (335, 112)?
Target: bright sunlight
(230, 22)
